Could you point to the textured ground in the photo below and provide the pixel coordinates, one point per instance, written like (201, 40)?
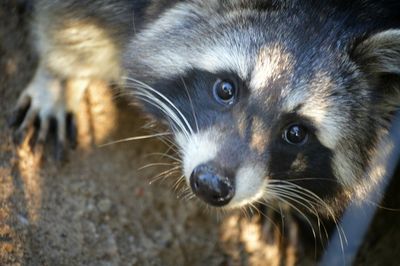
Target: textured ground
(99, 209)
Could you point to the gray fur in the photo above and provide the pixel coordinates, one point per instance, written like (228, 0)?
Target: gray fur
(320, 60)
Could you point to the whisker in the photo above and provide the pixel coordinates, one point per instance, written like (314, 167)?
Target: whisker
(314, 179)
(245, 213)
(156, 164)
(134, 138)
(309, 206)
(342, 234)
(170, 145)
(191, 104)
(178, 182)
(147, 87)
(266, 217)
(282, 221)
(150, 99)
(184, 192)
(166, 110)
(164, 155)
(278, 196)
(381, 207)
(163, 175)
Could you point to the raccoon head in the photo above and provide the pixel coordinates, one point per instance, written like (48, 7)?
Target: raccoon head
(266, 103)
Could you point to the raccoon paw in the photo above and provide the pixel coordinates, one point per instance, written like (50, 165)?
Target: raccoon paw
(41, 110)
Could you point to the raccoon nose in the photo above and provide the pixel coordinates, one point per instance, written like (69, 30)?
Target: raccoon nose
(212, 187)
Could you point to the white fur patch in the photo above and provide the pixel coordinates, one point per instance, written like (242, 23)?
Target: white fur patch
(203, 147)
(198, 149)
(219, 57)
(250, 185)
(328, 121)
(223, 58)
(223, 52)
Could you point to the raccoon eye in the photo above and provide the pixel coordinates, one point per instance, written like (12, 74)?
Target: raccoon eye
(295, 134)
(224, 91)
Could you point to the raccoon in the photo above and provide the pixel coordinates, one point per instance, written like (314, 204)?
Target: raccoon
(267, 100)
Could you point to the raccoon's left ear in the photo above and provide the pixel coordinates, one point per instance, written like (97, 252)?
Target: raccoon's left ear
(379, 57)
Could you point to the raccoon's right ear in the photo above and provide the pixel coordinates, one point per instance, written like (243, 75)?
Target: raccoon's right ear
(379, 57)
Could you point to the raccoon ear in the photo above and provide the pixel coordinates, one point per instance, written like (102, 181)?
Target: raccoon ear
(379, 57)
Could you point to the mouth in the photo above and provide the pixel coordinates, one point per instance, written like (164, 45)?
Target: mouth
(214, 184)
(218, 188)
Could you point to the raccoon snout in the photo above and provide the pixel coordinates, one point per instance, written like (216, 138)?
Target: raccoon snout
(211, 186)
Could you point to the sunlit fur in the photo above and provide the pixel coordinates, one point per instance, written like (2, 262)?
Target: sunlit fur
(332, 66)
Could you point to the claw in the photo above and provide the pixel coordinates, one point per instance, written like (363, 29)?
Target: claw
(72, 131)
(17, 116)
(26, 124)
(42, 114)
(60, 152)
(34, 136)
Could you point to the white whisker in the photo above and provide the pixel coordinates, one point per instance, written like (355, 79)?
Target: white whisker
(191, 104)
(135, 138)
(164, 155)
(166, 110)
(178, 182)
(156, 164)
(278, 196)
(317, 200)
(145, 93)
(163, 175)
(308, 205)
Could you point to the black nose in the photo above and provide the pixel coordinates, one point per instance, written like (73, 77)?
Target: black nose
(210, 186)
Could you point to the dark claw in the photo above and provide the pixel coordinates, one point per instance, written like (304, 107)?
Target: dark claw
(52, 137)
(72, 131)
(17, 116)
(60, 152)
(38, 146)
(33, 139)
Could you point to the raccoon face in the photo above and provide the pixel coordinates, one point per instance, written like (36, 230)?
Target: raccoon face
(260, 110)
